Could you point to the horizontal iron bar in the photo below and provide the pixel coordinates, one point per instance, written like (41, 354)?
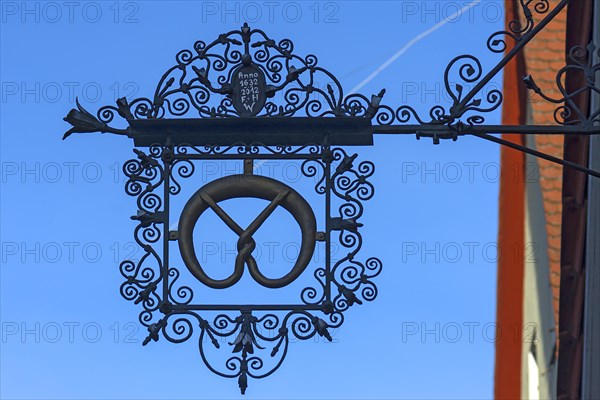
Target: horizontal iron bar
(272, 131)
(468, 129)
(234, 156)
(538, 154)
(263, 307)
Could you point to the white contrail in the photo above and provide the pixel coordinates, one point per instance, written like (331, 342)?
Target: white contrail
(411, 43)
(390, 61)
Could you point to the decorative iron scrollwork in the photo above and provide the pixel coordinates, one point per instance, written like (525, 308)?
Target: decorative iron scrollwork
(243, 79)
(568, 112)
(243, 73)
(517, 29)
(258, 336)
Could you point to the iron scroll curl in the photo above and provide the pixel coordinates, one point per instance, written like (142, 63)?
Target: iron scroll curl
(246, 186)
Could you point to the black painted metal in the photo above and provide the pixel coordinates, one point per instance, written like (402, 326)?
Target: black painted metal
(537, 153)
(246, 97)
(173, 311)
(298, 131)
(246, 186)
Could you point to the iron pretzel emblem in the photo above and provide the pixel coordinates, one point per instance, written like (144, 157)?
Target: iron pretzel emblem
(246, 186)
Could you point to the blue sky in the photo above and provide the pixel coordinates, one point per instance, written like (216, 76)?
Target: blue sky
(67, 333)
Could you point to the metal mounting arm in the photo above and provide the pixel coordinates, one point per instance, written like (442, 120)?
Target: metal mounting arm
(246, 97)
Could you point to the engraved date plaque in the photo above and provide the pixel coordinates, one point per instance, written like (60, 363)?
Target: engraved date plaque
(249, 94)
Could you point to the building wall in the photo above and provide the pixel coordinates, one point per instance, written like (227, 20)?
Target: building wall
(539, 335)
(544, 57)
(530, 215)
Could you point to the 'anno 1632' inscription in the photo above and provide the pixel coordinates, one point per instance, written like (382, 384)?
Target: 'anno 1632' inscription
(249, 95)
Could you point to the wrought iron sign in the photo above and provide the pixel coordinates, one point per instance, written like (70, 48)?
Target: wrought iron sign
(247, 97)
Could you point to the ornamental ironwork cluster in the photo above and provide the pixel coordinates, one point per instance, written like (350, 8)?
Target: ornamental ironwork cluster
(173, 311)
(246, 97)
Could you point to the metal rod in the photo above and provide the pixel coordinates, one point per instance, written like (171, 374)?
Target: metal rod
(524, 40)
(328, 183)
(247, 156)
(264, 307)
(166, 228)
(465, 130)
(537, 154)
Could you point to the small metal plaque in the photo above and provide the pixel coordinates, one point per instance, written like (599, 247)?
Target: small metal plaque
(249, 90)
